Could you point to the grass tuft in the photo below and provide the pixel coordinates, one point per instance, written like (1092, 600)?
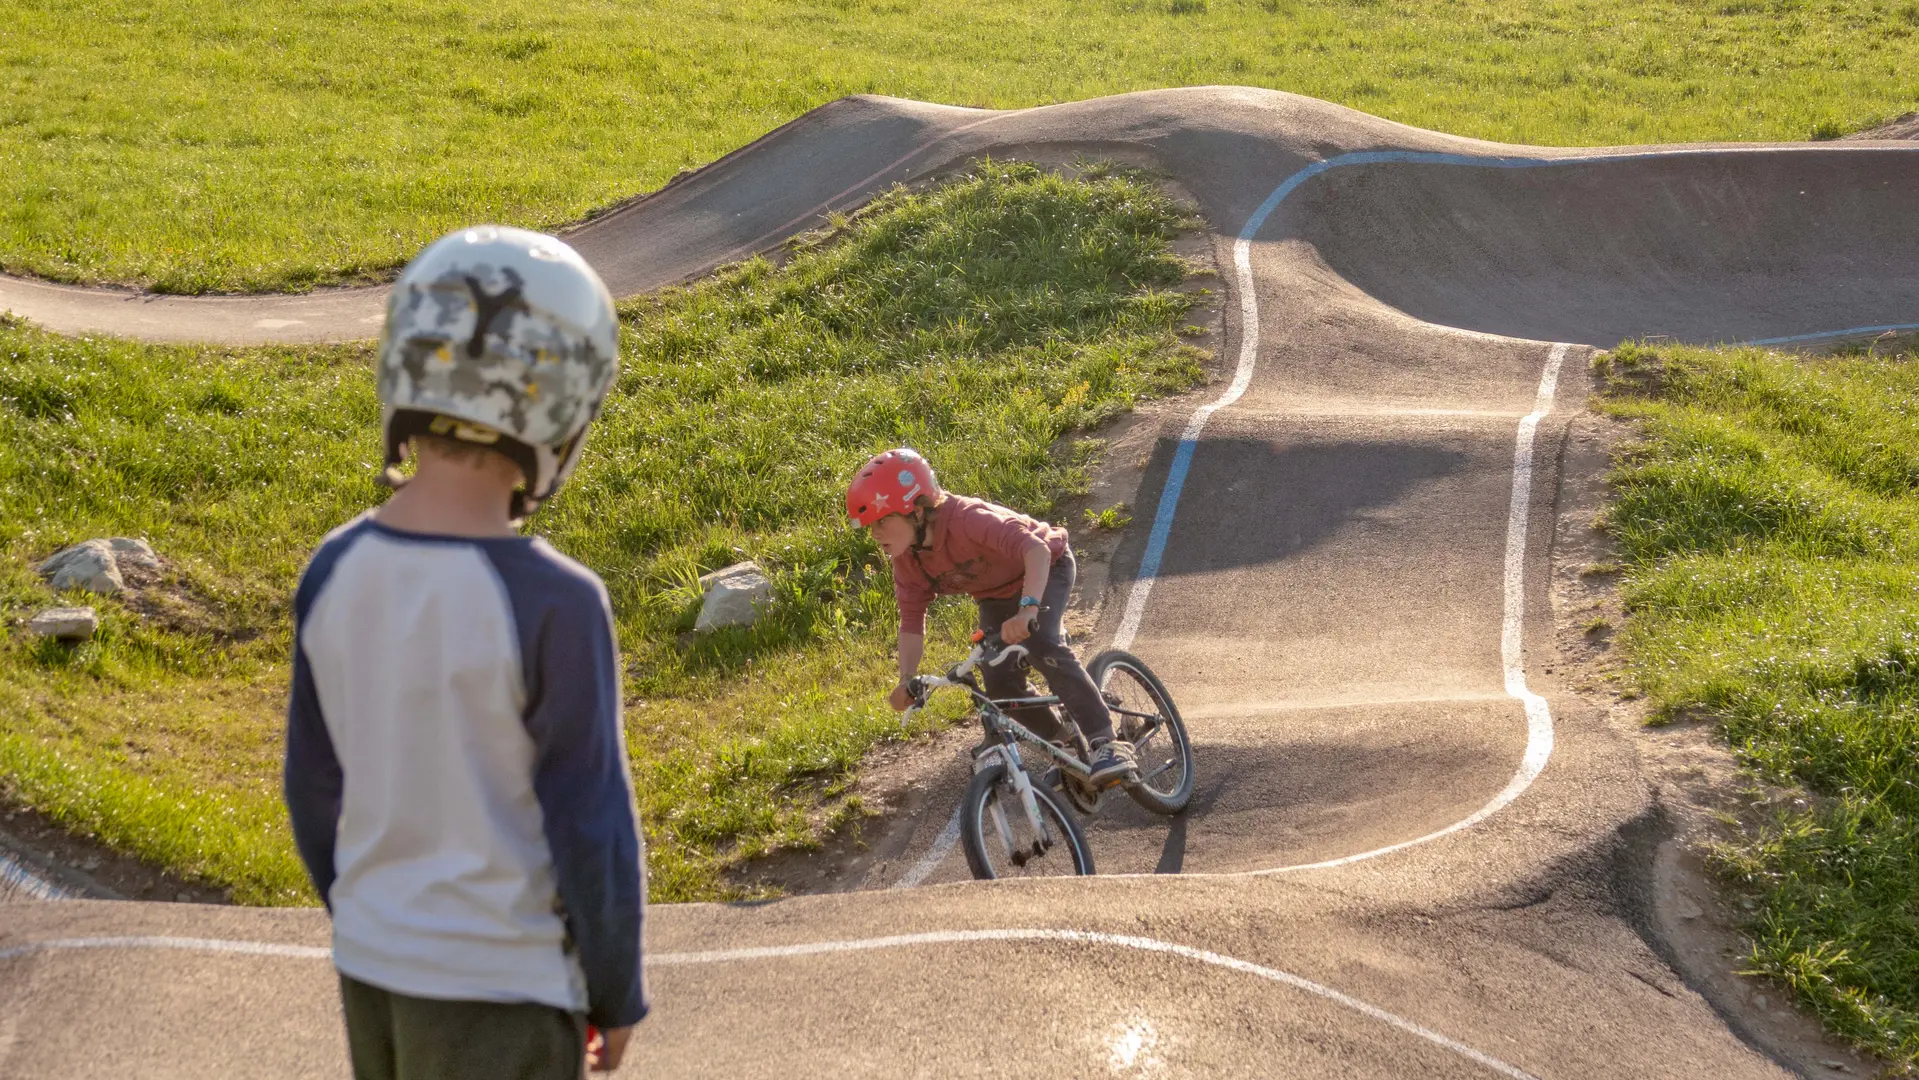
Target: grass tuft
(980, 322)
(1770, 525)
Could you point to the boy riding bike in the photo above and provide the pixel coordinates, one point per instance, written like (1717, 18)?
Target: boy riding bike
(1020, 572)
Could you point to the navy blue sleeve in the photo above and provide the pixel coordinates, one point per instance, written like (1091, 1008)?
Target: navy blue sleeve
(312, 781)
(580, 776)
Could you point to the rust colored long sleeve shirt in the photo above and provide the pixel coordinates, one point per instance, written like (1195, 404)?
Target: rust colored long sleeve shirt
(973, 547)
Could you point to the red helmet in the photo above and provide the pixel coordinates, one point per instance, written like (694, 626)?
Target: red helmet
(890, 484)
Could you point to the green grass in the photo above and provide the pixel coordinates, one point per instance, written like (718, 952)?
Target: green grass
(196, 146)
(979, 322)
(1770, 526)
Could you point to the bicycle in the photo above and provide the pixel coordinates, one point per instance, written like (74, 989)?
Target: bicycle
(1037, 826)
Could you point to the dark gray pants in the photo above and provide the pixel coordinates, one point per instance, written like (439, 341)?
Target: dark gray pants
(397, 1037)
(1051, 657)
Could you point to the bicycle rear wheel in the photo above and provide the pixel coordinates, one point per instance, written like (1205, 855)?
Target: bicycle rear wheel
(1000, 840)
(1144, 715)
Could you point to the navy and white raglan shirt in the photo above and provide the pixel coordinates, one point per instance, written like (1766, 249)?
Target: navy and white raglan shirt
(456, 771)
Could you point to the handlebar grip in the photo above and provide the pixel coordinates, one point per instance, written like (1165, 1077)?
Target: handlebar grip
(1015, 653)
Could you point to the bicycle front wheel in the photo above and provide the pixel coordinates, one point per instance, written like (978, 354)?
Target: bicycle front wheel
(1005, 838)
(1143, 714)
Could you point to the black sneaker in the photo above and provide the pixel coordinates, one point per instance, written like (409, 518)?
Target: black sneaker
(1112, 762)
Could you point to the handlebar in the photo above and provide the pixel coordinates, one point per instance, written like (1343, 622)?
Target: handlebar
(987, 647)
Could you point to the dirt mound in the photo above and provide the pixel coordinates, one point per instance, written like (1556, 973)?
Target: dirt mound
(1902, 127)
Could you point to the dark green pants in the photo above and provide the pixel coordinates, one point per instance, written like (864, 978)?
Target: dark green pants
(395, 1037)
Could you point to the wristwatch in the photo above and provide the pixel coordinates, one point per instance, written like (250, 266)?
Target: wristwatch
(1028, 601)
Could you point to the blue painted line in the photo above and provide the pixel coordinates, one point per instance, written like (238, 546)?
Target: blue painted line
(14, 875)
(1823, 335)
(1183, 458)
(1168, 504)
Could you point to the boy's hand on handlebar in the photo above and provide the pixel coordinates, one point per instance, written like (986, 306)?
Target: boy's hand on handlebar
(1019, 627)
(901, 698)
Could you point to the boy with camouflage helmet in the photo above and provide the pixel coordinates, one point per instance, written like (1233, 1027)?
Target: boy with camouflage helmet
(455, 768)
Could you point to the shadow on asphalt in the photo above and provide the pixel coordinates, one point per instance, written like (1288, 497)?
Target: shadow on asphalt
(1318, 790)
(1303, 494)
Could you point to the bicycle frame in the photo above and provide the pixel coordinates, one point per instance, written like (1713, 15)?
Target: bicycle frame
(993, 713)
(1010, 732)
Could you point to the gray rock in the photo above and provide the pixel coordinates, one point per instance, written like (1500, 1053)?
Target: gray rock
(100, 565)
(65, 623)
(89, 565)
(135, 554)
(735, 596)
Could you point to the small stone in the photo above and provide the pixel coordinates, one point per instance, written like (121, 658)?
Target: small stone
(184, 898)
(1839, 1065)
(1762, 1002)
(90, 863)
(89, 565)
(735, 596)
(65, 623)
(1689, 910)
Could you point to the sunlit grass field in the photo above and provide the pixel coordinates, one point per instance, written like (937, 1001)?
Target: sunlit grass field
(978, 322)
(1770, 523)
(194, 145)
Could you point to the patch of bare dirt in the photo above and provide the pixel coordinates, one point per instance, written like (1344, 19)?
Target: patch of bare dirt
(1904, 127)
(892, 788)
(87, 868)
(1700, 788)
(167, 599)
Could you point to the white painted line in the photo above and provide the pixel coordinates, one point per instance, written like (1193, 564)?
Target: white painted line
(184, 944)
(1249, 315)
(942, 846)
(1512, 637)
(1539, 731)
(1124, 941)
(856, 945)
(1189, 438)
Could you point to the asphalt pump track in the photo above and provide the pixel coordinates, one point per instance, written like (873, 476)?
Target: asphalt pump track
(1411, 853)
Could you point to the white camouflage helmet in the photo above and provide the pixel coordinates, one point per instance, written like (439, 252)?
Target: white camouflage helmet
(499, 336)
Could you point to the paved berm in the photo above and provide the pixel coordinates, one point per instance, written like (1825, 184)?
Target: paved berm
(1344, 611)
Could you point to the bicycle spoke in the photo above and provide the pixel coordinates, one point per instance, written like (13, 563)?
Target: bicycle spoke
(1170, 762)
(1147, 735)
(1165, 764)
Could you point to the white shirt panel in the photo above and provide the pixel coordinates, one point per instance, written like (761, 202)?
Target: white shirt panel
(445, 882)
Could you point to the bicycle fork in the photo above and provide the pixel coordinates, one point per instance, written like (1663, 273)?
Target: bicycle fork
(1021, 783)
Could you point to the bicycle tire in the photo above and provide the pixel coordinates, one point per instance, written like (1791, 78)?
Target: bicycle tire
(1170, 801)
(974, 826)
